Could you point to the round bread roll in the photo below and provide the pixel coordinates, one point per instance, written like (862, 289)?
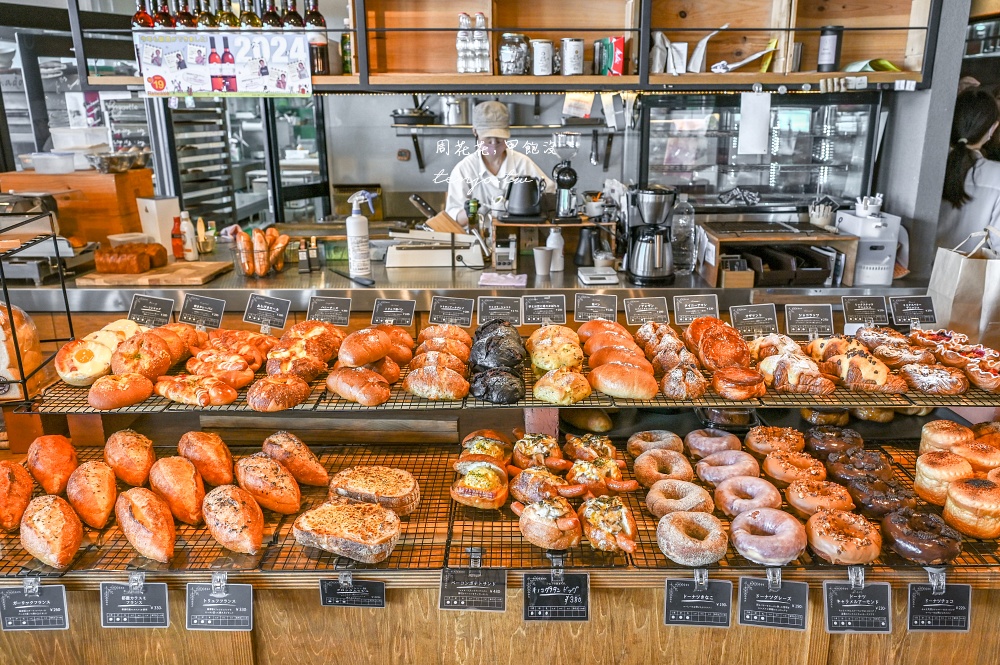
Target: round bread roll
(108, 338)
(127, 327)
(594, 326)
(175, 344)
(277, 393)
(436, 383)
(625, 381)
(80, 362)
(561, 387)
(144, 354)
(445, 330)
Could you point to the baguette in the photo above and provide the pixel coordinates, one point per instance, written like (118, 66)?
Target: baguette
(244, 245)
(177, 481)
(364, 532)
(146, 521)
(92, 490)
(360, 385)
(50, 531)
(395, 489)
(271, 234)
(276, 255)
(261, 264)
(51, 460)
(16, 486)
(234, 519)
(295, 455)
(269, 483)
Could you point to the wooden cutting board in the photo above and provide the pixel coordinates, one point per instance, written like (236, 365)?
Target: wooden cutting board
(180, 273)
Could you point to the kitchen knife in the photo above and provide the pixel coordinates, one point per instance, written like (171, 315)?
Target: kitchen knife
(363, 281)
(593, 147)
(421, 205)
(607, 151)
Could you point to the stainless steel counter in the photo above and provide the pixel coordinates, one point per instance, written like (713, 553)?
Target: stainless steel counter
(417, 284)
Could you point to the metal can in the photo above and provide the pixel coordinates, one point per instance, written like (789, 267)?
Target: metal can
(541, 57)
(572, 56)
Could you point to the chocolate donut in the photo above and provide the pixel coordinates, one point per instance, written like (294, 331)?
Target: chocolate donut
(827, 439)
(876, 496)
(921, 537)
(857, 463)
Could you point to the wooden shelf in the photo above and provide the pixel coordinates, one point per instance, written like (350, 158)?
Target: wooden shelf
(748, 78)
(501, 83)
(319, 82)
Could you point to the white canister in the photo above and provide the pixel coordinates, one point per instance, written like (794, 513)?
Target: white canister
(572, 57)
(541, 57)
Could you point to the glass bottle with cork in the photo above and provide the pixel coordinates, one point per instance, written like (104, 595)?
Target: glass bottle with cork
(224, 17)
(248, 17)
(206, 19)
(271, 18)
(291, 18)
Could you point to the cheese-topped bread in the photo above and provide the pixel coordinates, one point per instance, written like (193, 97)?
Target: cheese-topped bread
(391, 488)
(365, 532)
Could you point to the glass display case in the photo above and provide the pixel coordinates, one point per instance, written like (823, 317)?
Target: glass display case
(817, 145)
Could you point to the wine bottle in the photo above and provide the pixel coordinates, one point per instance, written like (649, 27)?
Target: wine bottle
(291, 17)
(215, 67)
(162, 19)
(142, 19)
(225, 18)
(184, 17)
(248, 17)
(319, 47)
(206, 19)
(271, 18)
(228, 67)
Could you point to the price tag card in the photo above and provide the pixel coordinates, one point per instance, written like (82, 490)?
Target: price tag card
(949, 611)
(806, 320)
(150, 311)
(393, 312)
(590, 306)
(785, 608)
(499, 307)
(864, 610)
(454, 311)
(906, 308)
(640, 310)
(336, 311)
(544, 310)
(689, 308)
(359, 593)
(754, 320)
(124, 608)
(480, 589)
(228, 609)
(687, 606)
(267, 311)
(547, 600)
(45, 610)
(202, 311)
(859, 309)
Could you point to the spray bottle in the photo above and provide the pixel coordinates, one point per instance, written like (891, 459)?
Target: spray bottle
(358, 251)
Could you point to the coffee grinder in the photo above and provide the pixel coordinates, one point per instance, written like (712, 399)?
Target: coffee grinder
(649, 261)
(567, 144)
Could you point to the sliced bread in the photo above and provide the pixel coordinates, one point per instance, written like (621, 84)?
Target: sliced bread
(364, 532)
(389, 487)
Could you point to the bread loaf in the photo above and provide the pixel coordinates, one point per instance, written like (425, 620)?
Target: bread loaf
(146, 521)
(234, 519)
(130, 455)
(177, 481)
(295, 456)
(625, 381)
(92, 490)
(436, 383)
(360, 385)
(269, 483)
(395, 489)
(50, 531)
(364, 346)
(364, 532)
(111, 261)
(51, 460)
(210, 455)
(15, 494)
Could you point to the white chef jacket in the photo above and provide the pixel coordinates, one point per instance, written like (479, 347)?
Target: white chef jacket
(982, 184)
(471, 179)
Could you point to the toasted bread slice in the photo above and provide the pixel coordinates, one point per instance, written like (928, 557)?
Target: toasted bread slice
(365, 532)
(390, 488)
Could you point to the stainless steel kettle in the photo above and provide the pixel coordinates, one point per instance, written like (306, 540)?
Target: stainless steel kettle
(524, 196)
(650, 259)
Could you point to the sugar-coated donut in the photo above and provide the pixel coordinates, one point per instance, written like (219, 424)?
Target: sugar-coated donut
(942, 435)
(935, 471)
(762, 439)
(691, 539)
(655, 465)
(726, 464)
(921, 537)
(703, 442)
(80, 362)
(652, 439)
(807, 497)
(843, 538)
(742, 493)
(784, 467)
(768, 536)
(668, 496)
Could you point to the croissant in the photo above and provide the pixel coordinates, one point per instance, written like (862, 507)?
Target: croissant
(864, 372)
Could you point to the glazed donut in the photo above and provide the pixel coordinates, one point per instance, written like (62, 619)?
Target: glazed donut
(742, 493)
(80, 363)
(726, 464)
(973, 507)
(807, 497)
(656, 465)
(144, 354)
(983, 457)
(691, 539)
(704, 442)
(942, 435)
(654, 439)
(857, 463)
(876, 497)
(784, 467)
(921, 537)
(669, 496)
(823, 416)
(762, 440)
(116, 391)
(937, 470)
(825, 439)
(277, 393)
(768, 536)
(843, 538)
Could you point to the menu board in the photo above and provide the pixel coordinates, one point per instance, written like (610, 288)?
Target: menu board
(231, 64)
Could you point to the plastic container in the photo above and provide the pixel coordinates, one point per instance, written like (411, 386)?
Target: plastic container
(65, 138)
(124, 238)
(53, 162)
(291, 257)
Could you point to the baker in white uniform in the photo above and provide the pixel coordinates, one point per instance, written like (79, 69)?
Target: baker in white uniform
(484, 174)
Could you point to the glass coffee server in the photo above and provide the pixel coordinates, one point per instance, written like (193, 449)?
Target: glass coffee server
(817, 146)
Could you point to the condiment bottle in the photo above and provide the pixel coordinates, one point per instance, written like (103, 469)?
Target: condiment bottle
(556, 242)
(358, 249)
(189, 237)
(177, 239)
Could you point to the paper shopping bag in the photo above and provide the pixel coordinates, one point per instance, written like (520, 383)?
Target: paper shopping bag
(966, 293)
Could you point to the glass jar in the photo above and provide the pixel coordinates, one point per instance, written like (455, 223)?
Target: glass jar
(513, 54)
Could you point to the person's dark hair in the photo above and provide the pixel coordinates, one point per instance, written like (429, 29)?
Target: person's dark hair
(975, 113)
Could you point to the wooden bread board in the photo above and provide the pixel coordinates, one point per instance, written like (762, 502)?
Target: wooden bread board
(180, 273)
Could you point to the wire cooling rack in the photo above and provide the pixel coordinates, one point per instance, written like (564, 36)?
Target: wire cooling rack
(972, 397)
(399, 400)
(840, 398)
(424, 533)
